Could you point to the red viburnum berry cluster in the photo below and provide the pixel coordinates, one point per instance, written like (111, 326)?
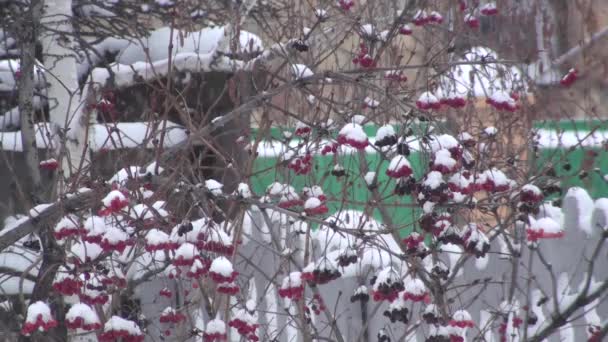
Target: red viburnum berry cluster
(215, 331)
(199, 268)
(244, 328)
(330, 148)
(428, 101)
(489, 9)
(315, 206)
(435, 223)
(412, 241)
(415, 291)
(352, 134)
(169, 315)
(113, 203)
(453, 100)
(316, 304)
(49, 164)
(165, 292)
(363, 59)
(346, 5)
(322, 272)
(395, 76)
(501, 100)
(569, 78)
(221, 278)
(301, 165)
(386, 289)
(544, 228)
(120, 329)
(218, 247)
(471, 20)
(302, 129)
(38, 318)
(292, 286)
(399, 167)
(422, 18)
(405, 30)
(68, 285)
(462, 319)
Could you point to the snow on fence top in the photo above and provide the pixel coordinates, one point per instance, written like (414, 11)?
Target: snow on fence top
(549, 138)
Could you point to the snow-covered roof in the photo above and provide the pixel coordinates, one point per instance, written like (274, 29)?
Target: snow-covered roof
(155, 47)
(104, 137)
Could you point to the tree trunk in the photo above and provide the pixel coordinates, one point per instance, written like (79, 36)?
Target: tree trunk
(30, 28)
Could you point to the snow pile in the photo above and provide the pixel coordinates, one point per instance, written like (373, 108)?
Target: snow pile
(301, 71)
(314, 206)
(314, 191)
(124, 175)
(82, 316)
(443, 162)
(94, 227)
(482, 79)
(399, 167)
(292, 286)
(433, 180)
(370, 102)
(114, 239)
(502, 100)
(218, 241)
(158, 240)
(170, 315)
(113, 203)
(145, 212)
(185, 254)
(489, 9)
(544, 228)
(82, 252)
(387, 285)
(475, 240)
(67, 226)
(93, 292)
(462, 319)
(494, 180)
(415, 290)
(215, 330)
(428, 101)
(385, 136)
(243, 190)
(38, 318)
(117, 328)
(370, 178)
(65, 283)
(214, 187)
(352, 134)
(221, 270)
(245, 321)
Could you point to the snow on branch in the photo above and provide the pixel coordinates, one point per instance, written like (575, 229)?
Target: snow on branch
(38, 219)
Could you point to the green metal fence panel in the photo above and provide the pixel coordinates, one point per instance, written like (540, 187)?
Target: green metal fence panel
(582, 165)
(349, 191)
